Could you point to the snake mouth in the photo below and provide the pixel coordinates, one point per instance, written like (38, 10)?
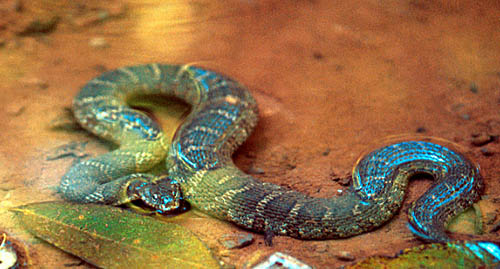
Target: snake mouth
(141, 207)
(149, 207)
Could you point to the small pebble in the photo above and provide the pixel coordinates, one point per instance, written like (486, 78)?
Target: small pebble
(35, 82)
(280, 260)
(291, 166)
(39, 25)
(237, 240)
(421, 130)
(14, 109)
(473, 87)
(342, 180)
(481, 140)
(98, 42)
(255, 170)
(345, 256)
(318, 55)
(320, 247)
(486, 151)
(326, 152)
(227, 266)
(345, 181)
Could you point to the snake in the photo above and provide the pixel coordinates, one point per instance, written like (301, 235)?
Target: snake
(200, 169)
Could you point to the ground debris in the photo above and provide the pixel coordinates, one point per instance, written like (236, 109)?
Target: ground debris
(8, 255)
(255, 170)
(344, 256)
(487, 151)
(98, 42)
(98, 15)
(15, 109)
(65, 121)
(281, 260)
(110, 237)
(481, 139)
(37, 18)
(236, 240)
(13, 253)
(73, 149)
(39, 26)
(34, 82)
(343, 180)
(469, 254)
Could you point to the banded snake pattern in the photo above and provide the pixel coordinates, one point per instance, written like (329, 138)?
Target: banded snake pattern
(200, 168)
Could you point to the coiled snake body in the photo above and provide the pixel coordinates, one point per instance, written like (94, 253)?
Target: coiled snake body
(199, 160)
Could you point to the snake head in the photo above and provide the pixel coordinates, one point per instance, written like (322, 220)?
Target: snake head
(164, 195)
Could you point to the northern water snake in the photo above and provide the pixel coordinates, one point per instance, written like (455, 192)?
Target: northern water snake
(223, 114)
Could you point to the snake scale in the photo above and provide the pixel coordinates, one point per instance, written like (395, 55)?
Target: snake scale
(200, 168)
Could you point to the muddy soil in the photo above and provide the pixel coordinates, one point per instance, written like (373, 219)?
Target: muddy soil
(332, 78)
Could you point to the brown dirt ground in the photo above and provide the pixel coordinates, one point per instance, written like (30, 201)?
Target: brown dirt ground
(332, 79)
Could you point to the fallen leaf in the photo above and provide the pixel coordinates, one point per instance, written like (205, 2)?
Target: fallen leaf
(110, 237)
(439, 255)
(467, 222)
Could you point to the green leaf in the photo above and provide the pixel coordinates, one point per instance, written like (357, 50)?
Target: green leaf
(467, 222)
(438, 255)
(110, 237)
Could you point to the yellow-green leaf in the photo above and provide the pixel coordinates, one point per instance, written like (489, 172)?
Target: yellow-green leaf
(439, 255)
(111, 237)
(467, 222)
